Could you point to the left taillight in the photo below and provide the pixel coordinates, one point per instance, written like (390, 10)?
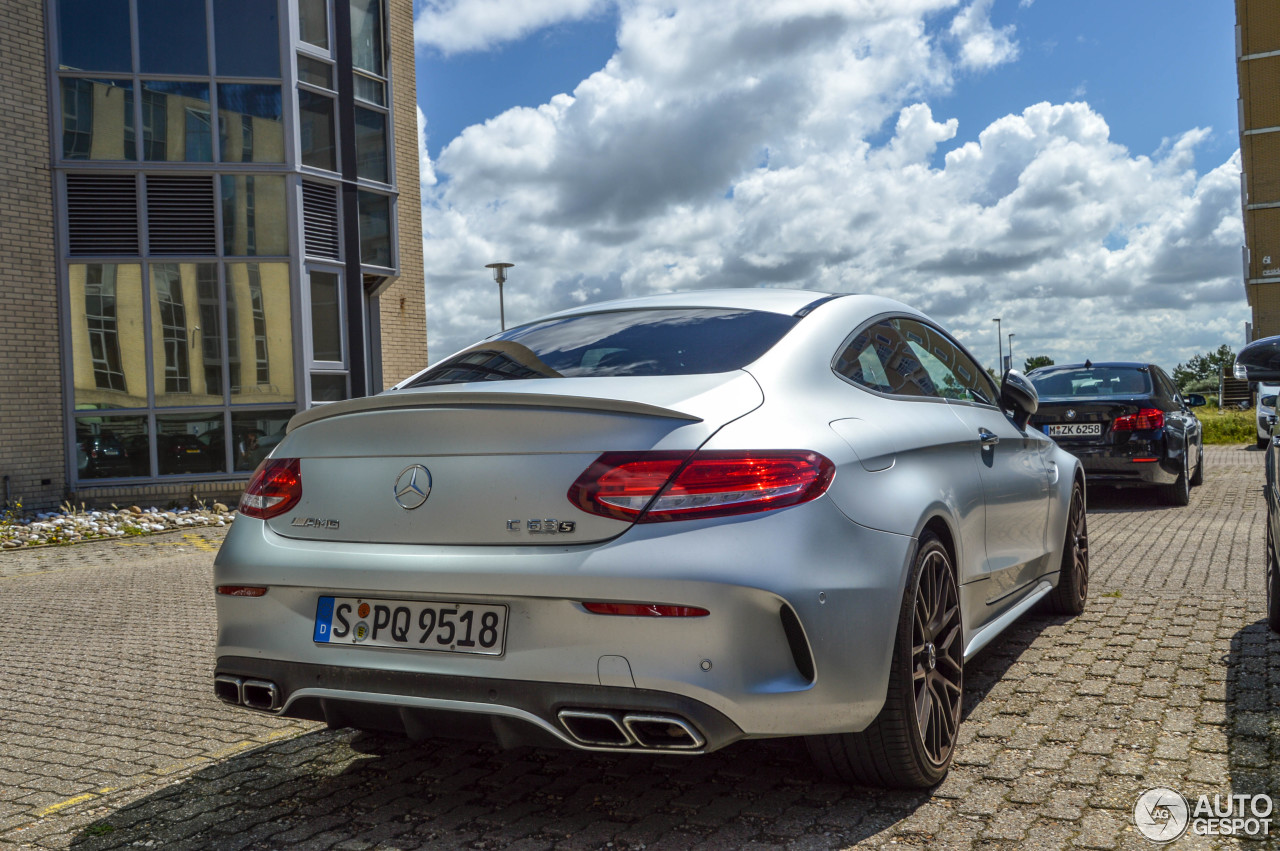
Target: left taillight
(275, 488)
(654, 487)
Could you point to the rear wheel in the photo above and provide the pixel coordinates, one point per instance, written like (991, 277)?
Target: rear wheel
(1262, 442)
(1197, 478)
(1073, 576)
(910, 743)
(1179, 493)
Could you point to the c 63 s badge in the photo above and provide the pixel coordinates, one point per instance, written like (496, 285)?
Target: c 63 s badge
(314, 523)
(543, 527)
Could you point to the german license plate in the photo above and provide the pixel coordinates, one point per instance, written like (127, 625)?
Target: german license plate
(1074, 430)
(412, 625)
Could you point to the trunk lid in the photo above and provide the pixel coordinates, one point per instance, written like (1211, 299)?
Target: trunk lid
(1080, 412)
(494, 464)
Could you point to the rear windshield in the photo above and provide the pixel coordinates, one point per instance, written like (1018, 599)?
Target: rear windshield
(1092, 381)
(678, 341)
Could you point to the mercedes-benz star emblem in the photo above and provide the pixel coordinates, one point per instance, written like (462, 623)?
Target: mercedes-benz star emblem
(413, 486)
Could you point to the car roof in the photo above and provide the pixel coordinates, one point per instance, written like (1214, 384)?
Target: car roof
(768, 300)
(1094, 365)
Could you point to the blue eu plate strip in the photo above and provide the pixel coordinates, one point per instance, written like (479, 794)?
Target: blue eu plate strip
(324, 617)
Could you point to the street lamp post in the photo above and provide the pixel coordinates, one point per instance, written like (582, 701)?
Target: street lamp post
(500, 275)
(1010, 350)
(999, 347)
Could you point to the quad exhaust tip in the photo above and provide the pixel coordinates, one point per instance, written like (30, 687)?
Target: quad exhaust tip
(631, 730)
(262, 695)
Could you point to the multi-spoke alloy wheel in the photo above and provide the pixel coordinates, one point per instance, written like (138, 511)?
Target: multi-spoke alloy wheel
(911, 742)
(1073, 577)
(937, 657)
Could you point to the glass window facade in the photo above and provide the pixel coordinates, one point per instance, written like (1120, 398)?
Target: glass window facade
(188, 352)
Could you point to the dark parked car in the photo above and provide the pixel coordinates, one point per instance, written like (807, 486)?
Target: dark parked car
(1126, 422)
(101, 456)
(1260, 361)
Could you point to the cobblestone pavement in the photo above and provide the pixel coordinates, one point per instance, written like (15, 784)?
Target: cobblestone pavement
(110, 736)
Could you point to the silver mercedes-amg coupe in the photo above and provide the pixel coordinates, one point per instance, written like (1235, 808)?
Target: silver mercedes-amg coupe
(660, 524)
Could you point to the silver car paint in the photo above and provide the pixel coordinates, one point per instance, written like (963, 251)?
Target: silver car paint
(840, 561)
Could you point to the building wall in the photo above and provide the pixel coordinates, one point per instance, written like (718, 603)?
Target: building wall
(31, 427)
(402, 306)
(1258, 73)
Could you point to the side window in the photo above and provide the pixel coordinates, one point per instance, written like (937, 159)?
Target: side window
(1165, 384)
(906, 357)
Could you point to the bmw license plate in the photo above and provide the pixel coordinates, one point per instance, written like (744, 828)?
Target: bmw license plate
(1074, 430)
(412, 625)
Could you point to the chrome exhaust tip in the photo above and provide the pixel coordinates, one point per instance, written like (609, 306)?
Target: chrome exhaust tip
(260, 694)
(227, 689)
(599, 729)
(663, 732)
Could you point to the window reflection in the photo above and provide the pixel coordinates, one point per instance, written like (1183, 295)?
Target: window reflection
(326, 317)
(315, 130)
(375, 229)
(315, 72)
(329, 386)
(255, 434)
(107, 335)
(190, 443)
(250, 128)
(371, 145)
(260, 332)
(172, 37)
(246, 38)
(366, 35)
(253, 215)
(97, 119)
(112, 447)
(313, 22)
(175, 122)
(185, 334)
(93, 35)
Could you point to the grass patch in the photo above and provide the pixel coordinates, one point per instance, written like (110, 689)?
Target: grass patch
(1115, 594)
(1228, 426)
(99, 829)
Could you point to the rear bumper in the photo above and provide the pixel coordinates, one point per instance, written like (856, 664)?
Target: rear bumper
(803, 602)
(1115, 466)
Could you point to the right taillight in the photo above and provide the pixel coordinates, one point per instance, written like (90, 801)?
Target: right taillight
(1146, 419)
(275, 488)
(653, 487)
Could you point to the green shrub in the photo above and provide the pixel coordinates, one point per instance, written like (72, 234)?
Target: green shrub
(1228, 426)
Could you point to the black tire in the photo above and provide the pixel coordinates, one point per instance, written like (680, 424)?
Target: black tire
(1069, 597)
(1273, 582)
(1262, 442)
(1178, 493)
(1197, 478)
(926, 677)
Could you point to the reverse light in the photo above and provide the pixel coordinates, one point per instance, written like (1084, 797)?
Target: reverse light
(652, 487)
(1145, 419)
(275, 488)
(645, 610)
(241, 590)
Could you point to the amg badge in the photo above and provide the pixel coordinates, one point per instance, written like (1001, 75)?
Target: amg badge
(314, 523)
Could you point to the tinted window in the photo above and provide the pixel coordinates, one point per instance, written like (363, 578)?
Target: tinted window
(680, 341)
(1267, 401)
(1070, 382)
(905, 357)
(246, 38)
(93, 35)
(171, 37)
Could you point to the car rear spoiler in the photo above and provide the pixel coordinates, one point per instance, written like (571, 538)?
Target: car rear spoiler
(419, 399)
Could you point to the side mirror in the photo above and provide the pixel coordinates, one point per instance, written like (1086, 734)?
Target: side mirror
(1259, 361)
(1194, 400)
(1019, 395)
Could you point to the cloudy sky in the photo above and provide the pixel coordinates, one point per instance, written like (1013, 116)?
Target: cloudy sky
(1071, 167)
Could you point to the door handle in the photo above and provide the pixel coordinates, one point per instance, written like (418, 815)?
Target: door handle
(987, 438)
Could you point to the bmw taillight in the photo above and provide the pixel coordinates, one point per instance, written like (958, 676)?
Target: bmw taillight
(1144, 420)
(652, 487)
(275, 488)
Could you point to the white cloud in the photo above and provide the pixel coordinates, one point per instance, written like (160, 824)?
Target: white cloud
(726, 143)
(426, 170)
(456, 26)
(982, 46)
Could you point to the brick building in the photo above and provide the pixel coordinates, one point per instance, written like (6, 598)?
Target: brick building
(1258, 71)
(212, 220)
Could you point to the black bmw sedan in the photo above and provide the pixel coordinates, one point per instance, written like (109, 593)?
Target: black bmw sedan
(1126, 422)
